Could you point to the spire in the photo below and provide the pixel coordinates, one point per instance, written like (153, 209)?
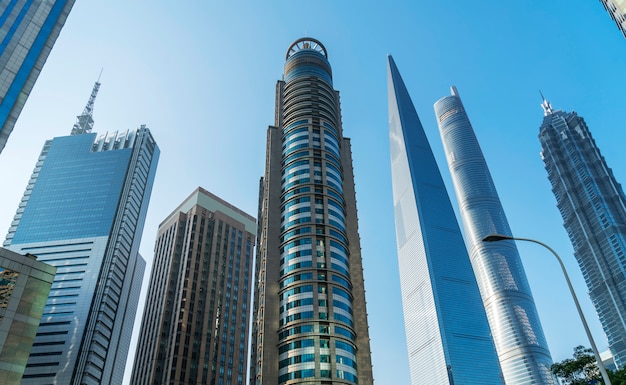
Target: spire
(547, 107)
(84, 121)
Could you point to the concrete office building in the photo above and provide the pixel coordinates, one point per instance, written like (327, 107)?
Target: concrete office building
(515, 325)
(28, 30)
(593, 206)
(195, 323)
(447, 333)
(83, 211)
(310, 323)
(24, 287)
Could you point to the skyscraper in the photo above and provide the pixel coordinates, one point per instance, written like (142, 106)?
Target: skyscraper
(515, 326)
(593, 207)
(195, 323)
(447, 332)
(310, 322)
(28, 30)
(83, 211)
(24, 287)
(617, 11)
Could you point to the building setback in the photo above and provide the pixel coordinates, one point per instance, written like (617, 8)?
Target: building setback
(195, 324)
(24, 287)
(447, 333)
(28, 30)
(515, 325)
(593, 207)
(83, 211)
(310, 323)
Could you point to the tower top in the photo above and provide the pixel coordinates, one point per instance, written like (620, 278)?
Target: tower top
(84, 121)
(306, 43)
(546, 105)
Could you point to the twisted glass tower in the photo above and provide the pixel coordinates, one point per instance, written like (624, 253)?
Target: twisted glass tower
(310, 324)
(593, 207)
(447, 332)
(515, 325)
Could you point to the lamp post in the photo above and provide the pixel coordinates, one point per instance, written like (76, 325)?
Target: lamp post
(499, 237)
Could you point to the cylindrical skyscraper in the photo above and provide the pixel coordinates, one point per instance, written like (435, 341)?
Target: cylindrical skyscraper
(310, 322)
(517, 333)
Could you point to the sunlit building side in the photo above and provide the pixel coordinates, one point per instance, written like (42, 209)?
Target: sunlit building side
(447, 333)
(515, 325)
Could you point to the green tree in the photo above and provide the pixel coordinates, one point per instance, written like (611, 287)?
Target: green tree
(583, 370)
(580, 370)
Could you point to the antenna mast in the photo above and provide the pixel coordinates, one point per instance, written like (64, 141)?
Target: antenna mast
(84, 121)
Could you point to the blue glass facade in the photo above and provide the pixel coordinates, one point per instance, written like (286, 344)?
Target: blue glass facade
(83, 212)
(28, 30)
(593, 206)
(72, 197)
(310, 321)
(515, 326)
(448, 335)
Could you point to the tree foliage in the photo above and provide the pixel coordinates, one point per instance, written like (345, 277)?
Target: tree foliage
(580, 370)
(583, 370)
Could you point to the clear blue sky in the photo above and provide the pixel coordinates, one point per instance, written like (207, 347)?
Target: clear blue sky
(201, 75)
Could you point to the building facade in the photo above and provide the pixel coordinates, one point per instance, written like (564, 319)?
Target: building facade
(515, 325)
(83, 211)
(617, 11)
(310, 322)
(24, 287)
(447, 333)
(195, 324)
(593, 207)
(28, 30)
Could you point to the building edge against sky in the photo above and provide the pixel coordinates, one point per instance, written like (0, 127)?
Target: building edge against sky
(310, 321)
(195, 326)
(29, 30)
(24, 287)
(617, 11)
(83, 211)
(515, 325)
(593, 207)
(448, 338)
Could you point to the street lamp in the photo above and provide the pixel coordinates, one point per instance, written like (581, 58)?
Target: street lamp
(499, 237)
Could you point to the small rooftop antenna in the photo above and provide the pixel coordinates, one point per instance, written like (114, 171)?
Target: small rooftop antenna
(545, 104)
(84, 121)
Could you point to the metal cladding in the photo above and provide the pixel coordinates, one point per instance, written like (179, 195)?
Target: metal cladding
(515, 326)
(447, 332)
(593, 207)
(310, 322)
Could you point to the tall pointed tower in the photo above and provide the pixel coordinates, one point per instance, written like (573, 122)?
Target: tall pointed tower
(447, 332)
(515, 326)
(310, 322)
(83, 211)
(593, 206)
